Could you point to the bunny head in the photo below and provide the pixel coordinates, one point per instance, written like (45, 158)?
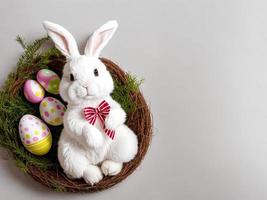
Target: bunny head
(84, 76)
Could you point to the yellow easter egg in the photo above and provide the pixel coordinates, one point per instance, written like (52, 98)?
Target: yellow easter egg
(35, 135)
(40, 148)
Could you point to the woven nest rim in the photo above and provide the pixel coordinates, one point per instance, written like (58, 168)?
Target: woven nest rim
(140, 121)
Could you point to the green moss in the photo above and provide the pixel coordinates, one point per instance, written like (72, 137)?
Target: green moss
(13, 105)
(122, 92)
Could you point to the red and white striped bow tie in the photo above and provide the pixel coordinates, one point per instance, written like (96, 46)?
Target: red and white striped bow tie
(101, 112)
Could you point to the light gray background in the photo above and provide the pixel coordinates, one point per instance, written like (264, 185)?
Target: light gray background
(205, 69)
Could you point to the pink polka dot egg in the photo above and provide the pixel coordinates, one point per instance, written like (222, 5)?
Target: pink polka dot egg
(33, 91)
(35, 135)
(52, 111)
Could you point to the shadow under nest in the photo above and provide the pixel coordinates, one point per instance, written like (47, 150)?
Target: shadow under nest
(46, 169)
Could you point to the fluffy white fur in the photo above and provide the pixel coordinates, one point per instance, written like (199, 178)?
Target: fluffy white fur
(84, 150)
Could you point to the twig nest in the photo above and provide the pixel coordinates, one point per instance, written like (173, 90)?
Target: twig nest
(46, 169)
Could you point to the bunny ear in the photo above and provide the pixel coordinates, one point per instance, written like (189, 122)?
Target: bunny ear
(100, 38)
(62, 38)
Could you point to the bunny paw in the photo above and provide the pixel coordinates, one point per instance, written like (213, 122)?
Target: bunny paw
(111, 168)
(93, 137)
(115, 118)
(92, 175)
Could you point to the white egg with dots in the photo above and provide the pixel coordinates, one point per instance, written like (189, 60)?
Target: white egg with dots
(52, 111)
(35, 135)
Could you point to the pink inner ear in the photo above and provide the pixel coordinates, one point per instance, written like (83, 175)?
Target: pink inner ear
(64, 41)
(100, 39)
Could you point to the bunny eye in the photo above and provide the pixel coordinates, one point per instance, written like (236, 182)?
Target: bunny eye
(96, 72)
(71, 77)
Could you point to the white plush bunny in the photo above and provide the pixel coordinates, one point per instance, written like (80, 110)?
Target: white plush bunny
(95, 139)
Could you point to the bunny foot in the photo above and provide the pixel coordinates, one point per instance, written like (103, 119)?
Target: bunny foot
(92, 174)
(111, 168)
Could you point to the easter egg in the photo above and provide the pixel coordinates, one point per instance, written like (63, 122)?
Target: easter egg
(33, 91)
(35, 135)
(49, 80)
(52, 111)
